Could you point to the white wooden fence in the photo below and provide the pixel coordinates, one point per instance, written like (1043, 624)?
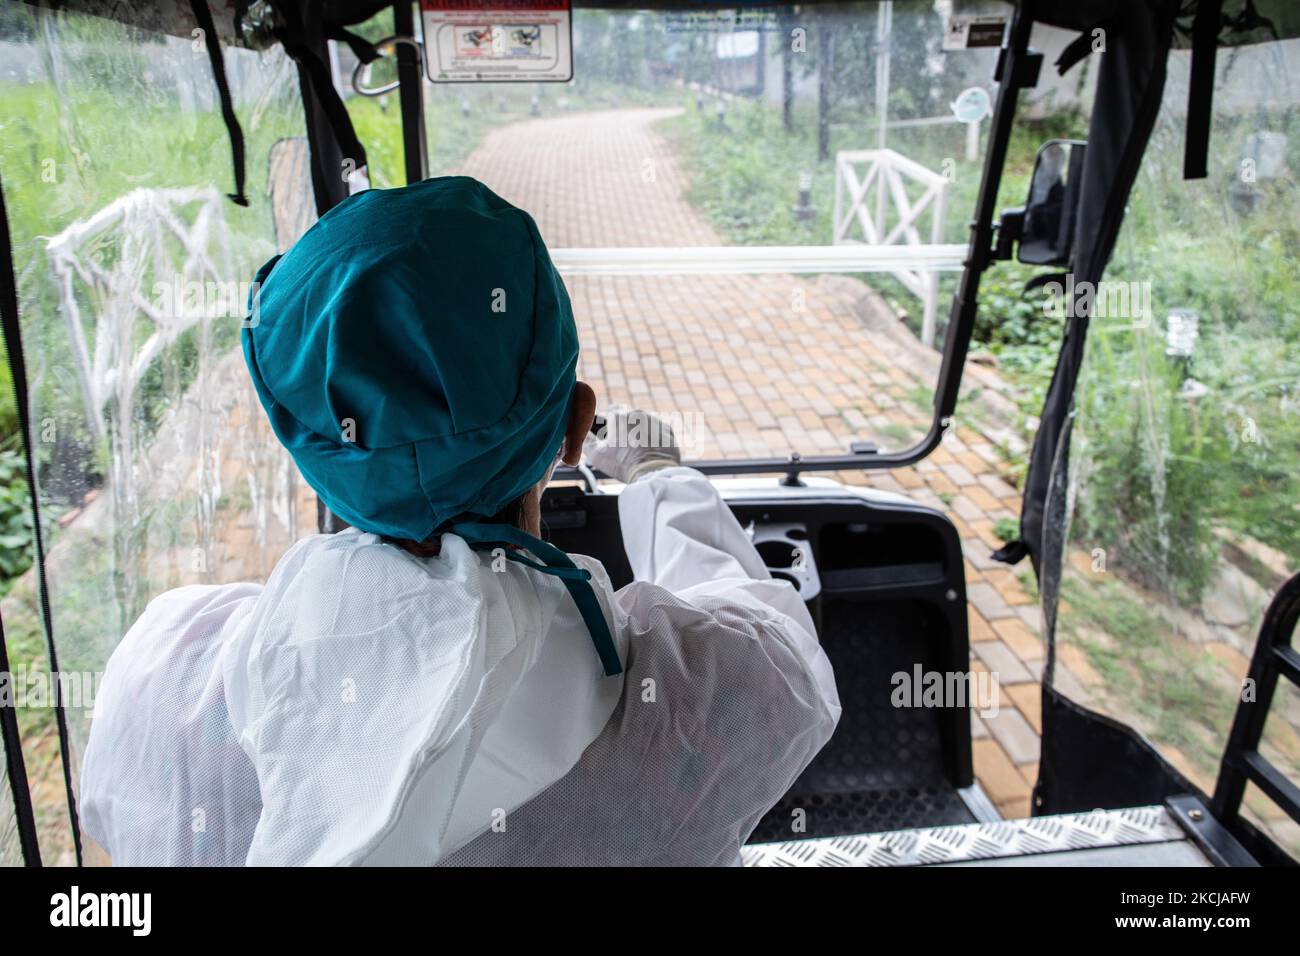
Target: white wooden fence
(873, 209)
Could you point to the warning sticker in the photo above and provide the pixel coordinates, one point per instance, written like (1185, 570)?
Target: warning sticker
(469, 41)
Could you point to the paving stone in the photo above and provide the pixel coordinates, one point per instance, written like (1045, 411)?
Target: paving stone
(983, 500)
(988, 601)
(977, 627)
(908, 478)
(1008, 585)
(986, 533)
(998, 488)
(979, 554)
(1028, 700)
(996, 773)
(985, 693)
(967, 508)
(959, 473)
(941, 484)
(1017, 635)
(887, 482)
(1015, 809)
(1014, 734)
(1032, 615)
(964, 530)
(927, 498)
(1030, 772)
(1001, 661)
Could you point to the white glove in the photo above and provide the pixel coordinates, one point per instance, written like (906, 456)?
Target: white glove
(633, 443)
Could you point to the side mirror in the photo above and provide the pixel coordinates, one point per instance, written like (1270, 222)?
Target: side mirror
(1047, 230)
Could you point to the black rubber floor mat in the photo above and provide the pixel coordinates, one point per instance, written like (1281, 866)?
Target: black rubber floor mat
(864, 811)
(884, 767)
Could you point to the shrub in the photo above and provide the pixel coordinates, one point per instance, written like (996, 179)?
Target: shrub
(15, 518)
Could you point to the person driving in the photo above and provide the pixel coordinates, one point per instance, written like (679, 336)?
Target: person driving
(436, 684)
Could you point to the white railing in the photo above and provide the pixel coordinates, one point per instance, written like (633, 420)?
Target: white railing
(873, 209)
(755, 260)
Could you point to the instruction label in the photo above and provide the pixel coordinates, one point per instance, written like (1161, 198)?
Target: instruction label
(500, 41)
(971, 33)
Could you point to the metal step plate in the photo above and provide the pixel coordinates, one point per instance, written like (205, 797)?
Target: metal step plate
(1004, 840)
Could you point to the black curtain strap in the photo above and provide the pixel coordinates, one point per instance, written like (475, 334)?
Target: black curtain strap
(1249, 19)
(1081, 46)
(203, 16)
(291, 34)
(1042, 279)
(1011, 553)
(322, 84)
(15, 765)
(1200, 88)
(237, 18)
(318, 72)
(361, 48)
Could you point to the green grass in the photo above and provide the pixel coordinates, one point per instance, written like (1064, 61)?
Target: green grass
(900, 435)
(1007, 529)
(1177, 692)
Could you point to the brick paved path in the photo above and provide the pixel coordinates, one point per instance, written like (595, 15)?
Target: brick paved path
(772, 364)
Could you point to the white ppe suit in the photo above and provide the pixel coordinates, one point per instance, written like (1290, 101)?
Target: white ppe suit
(372, 707)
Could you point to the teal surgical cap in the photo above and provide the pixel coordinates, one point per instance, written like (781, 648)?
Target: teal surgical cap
(416, 353)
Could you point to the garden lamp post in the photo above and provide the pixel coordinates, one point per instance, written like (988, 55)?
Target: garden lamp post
(1192, 392)
(1263, 159)
(1182, 328)
(803, 210)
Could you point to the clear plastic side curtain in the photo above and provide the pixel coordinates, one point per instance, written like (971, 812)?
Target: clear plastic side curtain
(154, 466)
(19, 822)
(1179, 522)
